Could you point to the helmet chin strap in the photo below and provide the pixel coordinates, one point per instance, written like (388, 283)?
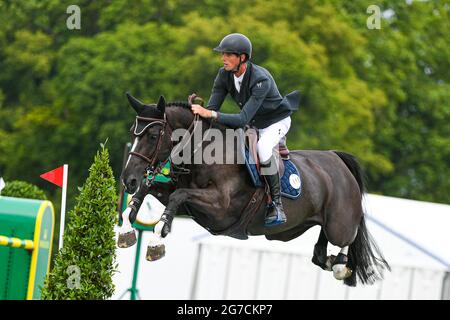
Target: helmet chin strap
(236, 70)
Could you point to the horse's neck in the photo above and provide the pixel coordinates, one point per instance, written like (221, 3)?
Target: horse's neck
(179, 117)
(196, 134)
(182, 118)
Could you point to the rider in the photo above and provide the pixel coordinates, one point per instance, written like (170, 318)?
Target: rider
(254, 90)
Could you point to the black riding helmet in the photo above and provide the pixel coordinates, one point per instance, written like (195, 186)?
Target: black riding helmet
(235, 43)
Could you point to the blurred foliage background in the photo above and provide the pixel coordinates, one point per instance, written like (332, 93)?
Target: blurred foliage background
(380, 94)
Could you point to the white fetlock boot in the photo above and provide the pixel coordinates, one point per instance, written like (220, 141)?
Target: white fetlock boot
(127, 235)
(156, 249)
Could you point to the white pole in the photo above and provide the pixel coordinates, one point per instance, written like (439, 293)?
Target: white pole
(2, 184)
(63, 205)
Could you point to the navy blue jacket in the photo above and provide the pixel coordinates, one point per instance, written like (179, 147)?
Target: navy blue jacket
(260, 101)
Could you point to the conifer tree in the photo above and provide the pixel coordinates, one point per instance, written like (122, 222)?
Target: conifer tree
(84, 267)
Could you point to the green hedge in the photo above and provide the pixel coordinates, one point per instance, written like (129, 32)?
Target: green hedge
(22, 189)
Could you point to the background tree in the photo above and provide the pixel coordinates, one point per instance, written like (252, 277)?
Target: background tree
(382, 95)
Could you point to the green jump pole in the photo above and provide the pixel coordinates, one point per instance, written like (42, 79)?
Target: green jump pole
(133, 290)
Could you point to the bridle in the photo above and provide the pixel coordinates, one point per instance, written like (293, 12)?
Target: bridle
(152, 160)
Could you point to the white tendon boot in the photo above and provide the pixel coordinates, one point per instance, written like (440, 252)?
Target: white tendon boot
(127, 235)
(156, 249)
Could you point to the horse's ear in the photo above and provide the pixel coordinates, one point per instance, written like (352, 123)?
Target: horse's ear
(135, 103)
(161, 106)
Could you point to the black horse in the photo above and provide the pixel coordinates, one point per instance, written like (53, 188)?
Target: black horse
(222, 199)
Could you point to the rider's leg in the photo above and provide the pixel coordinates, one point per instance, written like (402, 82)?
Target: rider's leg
(269, 138)
(275, 214)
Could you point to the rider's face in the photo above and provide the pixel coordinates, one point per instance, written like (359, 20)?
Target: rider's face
(230, 60)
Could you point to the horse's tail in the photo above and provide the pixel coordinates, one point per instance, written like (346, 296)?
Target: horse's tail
(354, 167)
(364, 256)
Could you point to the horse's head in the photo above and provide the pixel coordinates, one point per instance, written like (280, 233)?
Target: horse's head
(151, 142)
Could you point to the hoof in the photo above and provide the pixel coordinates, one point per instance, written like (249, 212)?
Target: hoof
(341, 272)
(126, 240)
(155, 252)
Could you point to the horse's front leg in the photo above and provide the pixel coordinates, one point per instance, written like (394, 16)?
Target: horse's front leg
(127, 235)
(210, 199)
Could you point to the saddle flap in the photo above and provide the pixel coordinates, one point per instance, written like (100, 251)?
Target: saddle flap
(251, 141)
(281, 167)
(283, 149)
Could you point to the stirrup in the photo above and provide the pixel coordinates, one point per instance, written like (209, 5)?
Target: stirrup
(276, 222)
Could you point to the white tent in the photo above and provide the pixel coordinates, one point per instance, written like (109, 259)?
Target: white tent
(422, 225)
(411, 234)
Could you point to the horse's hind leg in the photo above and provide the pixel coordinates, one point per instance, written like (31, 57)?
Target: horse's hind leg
(341, 234)
(320, 252)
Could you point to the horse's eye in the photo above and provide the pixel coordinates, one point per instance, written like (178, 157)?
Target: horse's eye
(153, 137)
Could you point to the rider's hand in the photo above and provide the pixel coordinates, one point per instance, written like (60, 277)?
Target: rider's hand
(202, 112)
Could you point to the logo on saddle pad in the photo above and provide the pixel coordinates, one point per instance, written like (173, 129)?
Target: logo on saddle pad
(294, 180)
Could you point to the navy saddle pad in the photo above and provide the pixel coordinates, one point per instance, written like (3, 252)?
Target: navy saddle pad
(291, 185)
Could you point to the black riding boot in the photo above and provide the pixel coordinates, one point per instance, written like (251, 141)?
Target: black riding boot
(275, 214)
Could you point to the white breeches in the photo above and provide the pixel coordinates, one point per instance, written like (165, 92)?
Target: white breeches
(270, 137)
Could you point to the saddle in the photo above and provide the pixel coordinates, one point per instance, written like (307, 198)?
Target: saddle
(289, 174)
(252, 142)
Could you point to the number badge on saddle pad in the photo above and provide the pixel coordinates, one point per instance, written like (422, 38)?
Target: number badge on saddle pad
(294, 181)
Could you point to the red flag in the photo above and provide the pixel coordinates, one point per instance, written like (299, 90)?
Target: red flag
(55, 176)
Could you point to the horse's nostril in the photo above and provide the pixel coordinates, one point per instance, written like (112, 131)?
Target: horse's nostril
(131, 184)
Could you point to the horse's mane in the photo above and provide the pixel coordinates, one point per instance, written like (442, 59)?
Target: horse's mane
(181, 104)
(187, 105)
